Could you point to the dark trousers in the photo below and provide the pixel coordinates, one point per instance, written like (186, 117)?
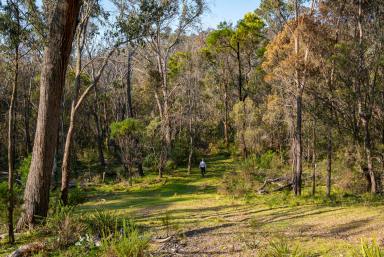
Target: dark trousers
(202, 169)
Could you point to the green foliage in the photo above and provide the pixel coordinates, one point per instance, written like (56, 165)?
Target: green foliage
(18, 194)
(23, 168)
(126, 127)
(120, 236)
(129, 243)
(281, 248)
(3, 201)
(105, 224)
(237, 184)
(65, 225)
(76, 196)
(151, 161)
(371, 250)
(265, 160)
(170, 165)
(177, 63)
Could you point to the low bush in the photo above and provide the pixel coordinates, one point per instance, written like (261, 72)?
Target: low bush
(104, 224)
(128, 243)
(280, 248)
(237, 184)
(76, 196)
(66, 226)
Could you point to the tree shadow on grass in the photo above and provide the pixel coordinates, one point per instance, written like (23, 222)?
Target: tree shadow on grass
(204, 230)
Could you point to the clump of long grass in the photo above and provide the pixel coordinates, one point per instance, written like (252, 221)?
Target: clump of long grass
(371, 249)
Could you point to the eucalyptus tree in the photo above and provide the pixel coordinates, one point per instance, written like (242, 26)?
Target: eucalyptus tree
(61, 25)
(242, 47)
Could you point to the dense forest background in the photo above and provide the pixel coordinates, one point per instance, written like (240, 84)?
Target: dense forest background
(294, 91)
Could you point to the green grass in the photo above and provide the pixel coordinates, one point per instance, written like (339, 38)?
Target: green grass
(190, 206)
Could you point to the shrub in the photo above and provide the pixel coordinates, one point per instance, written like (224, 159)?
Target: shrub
(281, 248)
(123, 239)
(130, 243)
(170, 165)
(105, 224)
(151, 161)
(65, 224)
(237, 184)
(23, 168)
(76, 196)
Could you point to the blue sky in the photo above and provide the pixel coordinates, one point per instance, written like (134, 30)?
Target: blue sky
(227, 10)
(219, 10)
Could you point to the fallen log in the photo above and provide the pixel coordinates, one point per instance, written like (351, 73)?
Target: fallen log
(263, 190)
(28, 249)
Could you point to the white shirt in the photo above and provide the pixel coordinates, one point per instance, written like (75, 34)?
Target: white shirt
(203, 165)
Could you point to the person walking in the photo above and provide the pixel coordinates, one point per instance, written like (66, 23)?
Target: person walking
(203, 167)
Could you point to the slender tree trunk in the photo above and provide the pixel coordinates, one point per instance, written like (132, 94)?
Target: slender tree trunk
(129, 85)
(368, 151)
(65, 173)
(299, 148)
(240, 75)
(314, 159)
(329, 161)
(61, 30)
(226, 111)
(191, 134)
(299, 93)
(71, 130)
(26, 113)
(99, 140)
(242, 135)
(11, 142)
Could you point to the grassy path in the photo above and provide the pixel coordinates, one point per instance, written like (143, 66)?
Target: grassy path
(209, 224)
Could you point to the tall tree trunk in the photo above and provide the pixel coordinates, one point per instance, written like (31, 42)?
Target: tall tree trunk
(191, 132)
(11, 141)
(26, 114)
(61, 30)
(299, 148)
(65, 173)
(130, 112)
(314, 158)
(299, 94)
(226, 111)
(129, 85)
(368, 153)
(99, 140)
(240, 75)
(71, 130)
(329, 161)
(364, 110)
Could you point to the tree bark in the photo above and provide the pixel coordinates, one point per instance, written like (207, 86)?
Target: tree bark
(129, 85)
(226, 111)
(299, 93)
(71, 130)
(314, 159)
(329, 161)
(11, 140)
(299, 148)
(27, 113)
(61, 29)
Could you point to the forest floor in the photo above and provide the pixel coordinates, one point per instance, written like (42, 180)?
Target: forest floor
(198, 221)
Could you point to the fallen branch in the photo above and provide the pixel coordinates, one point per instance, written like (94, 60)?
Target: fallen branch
(28, 249)
(262, 189)
(162, 240)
